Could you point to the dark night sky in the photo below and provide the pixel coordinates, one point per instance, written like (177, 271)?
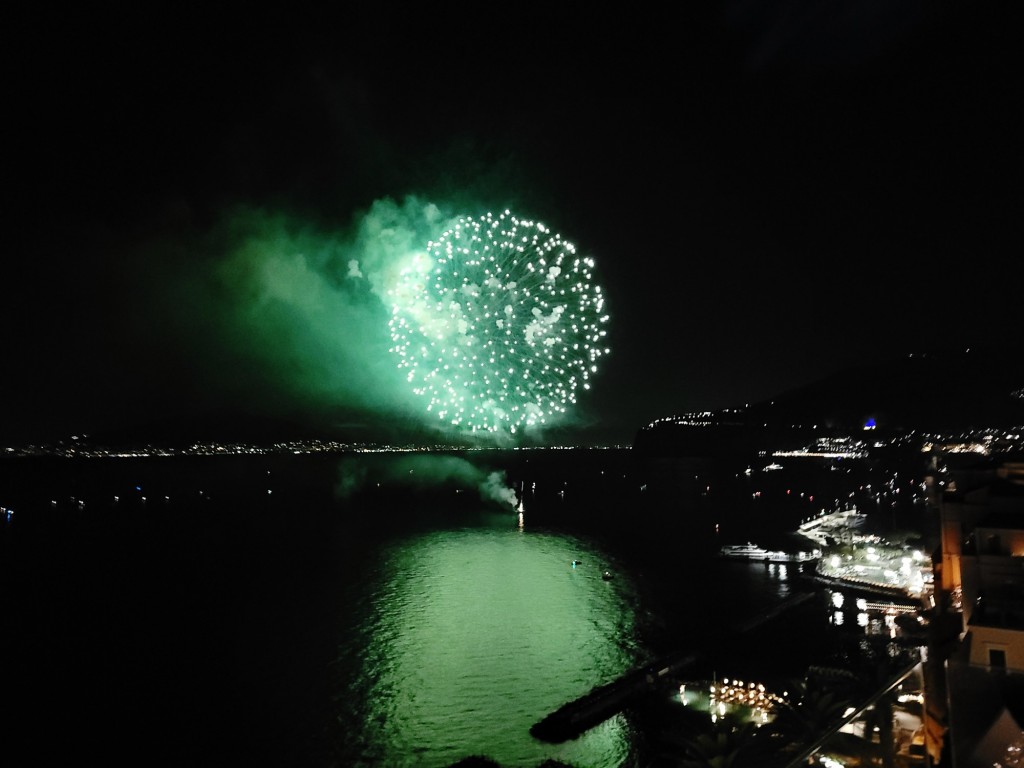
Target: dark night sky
(772, 192)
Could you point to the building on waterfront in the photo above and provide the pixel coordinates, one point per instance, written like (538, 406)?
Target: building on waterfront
(980, 579)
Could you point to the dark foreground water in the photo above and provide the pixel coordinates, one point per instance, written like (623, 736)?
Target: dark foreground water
(359, 611)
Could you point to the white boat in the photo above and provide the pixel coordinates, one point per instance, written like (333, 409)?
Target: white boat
(847, 518)
(751, 551)
(748, 551)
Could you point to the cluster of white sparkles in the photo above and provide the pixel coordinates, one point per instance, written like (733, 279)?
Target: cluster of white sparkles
(498, 324)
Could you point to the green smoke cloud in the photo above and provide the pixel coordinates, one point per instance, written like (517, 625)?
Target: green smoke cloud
(311, 308)
(276, 314)
(288, 316)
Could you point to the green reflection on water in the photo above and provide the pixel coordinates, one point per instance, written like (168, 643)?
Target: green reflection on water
(476, 634)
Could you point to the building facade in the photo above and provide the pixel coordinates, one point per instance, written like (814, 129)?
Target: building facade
(981, 575)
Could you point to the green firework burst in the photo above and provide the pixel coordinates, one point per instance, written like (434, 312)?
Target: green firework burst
(498, 324)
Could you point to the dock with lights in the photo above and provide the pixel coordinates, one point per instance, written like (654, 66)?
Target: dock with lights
(572, 719)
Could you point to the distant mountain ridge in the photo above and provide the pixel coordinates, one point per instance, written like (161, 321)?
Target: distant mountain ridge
(220, 426)
(940, 391)
(944, 391)
(226, 425)
(961, 390)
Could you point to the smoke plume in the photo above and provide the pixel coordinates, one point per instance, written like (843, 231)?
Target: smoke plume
(423, 471)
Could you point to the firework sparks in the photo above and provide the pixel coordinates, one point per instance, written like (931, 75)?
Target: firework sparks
(498, 324)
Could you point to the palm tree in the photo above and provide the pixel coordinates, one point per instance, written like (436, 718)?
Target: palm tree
(810, 713)
(729, 745)
(879, 683)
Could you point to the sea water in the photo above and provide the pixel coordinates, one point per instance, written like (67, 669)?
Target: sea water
(467, 637)
(209, 611)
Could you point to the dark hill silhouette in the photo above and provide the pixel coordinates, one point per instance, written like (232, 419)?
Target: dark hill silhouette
(209, 426)
(960, 390)
(942, 391)
(227, 425)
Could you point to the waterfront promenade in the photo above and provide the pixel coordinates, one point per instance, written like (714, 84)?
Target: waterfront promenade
(605, 701)
(869, 565)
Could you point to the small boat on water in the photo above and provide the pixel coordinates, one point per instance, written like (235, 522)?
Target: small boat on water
(847, 518)
(748, 551)
(607, 576)
(827, 529)
(751, 551)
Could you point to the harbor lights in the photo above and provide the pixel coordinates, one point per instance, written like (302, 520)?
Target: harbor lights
(749, 700)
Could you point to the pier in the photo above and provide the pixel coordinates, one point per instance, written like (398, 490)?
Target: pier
(572, 719)
(771, 613)
(575, 717)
